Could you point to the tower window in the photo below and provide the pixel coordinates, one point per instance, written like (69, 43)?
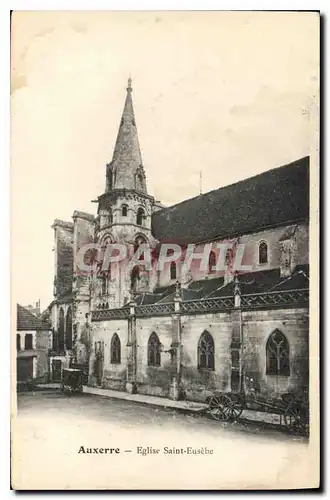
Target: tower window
(263, 253)
(205, 351)
(135, 276)
(277, 355)
(173, 271)
(153, 350)
(18, 342)
(212, 262)
(115, 349)
(124, 210)
(140, 216)
(104, 285)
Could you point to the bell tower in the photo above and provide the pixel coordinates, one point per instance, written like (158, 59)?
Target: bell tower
(124, 213)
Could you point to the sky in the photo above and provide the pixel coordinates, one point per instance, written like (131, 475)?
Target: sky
(228, 94)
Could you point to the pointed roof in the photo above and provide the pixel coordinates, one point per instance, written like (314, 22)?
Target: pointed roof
(126, 165)
(27, 320)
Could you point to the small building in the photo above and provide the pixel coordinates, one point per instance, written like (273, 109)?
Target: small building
(33, 337)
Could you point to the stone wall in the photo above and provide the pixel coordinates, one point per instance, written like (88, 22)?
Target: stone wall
(199, 383)
(114, 375)
(257, 326)
(154, 380)
(63, 257)
(227, 328)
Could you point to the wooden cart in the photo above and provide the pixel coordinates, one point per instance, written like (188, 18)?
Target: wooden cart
(72, 380)
(292, 408)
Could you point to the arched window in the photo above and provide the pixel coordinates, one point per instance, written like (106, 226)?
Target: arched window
(115, 349)
(135, 276)
(28, 344)
(153, 350)
(263, 253)
(61, 330)
(140, 216)
(124, 210)
(139, 240)
(277, 355)
(18, 342)
(205, 351)
(173, 270)
(104, 285)
(212, 262)
(68, 329)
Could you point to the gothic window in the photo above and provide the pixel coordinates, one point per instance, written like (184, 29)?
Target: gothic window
(212, 262)
(263, 253)
(205, 351)
(104, 285)
(18, 342)
(173, 270)
(124, 210)
(61, 330)
(140, 216)
(277, 354)
(154, 350)
(28, 341)
(115, 349)
(68, 329)
(135, 276)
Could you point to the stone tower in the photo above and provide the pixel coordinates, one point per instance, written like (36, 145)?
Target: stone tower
(124, 214)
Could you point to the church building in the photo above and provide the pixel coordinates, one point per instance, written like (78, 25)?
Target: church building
(186, 331)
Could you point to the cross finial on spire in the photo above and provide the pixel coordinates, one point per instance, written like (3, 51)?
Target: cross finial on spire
(129, 84)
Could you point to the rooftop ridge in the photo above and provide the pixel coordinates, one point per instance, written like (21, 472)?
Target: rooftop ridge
(242, 181)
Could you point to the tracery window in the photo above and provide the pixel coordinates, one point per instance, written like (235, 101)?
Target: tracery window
(115, 349)
(153, 350)
(205, 351)
(277, 354)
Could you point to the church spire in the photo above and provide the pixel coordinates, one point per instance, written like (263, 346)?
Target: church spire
(125, 170)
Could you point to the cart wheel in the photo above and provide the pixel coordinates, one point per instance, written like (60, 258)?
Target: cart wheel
(236, 407)
(219, 407)
(293, 419)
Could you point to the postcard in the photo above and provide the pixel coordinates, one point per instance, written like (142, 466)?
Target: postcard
(165, 239)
